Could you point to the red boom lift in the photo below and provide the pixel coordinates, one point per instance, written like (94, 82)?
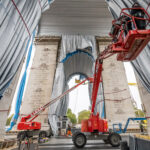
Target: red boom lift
(130, 35)
(30, 128)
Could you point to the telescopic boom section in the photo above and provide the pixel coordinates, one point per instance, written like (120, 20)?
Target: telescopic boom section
(98, 73)
(97, 80)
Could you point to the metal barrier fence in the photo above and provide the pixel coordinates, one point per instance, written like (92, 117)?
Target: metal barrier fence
(138, 143)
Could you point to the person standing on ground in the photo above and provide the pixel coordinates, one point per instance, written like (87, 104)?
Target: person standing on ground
(141, 127)
(69, 130)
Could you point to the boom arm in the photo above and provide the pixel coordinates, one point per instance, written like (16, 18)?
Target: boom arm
(98, 73)
(97, 80)
(38, 111)
(133, 119)
(128, 43)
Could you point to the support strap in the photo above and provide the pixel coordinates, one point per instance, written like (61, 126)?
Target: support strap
(21, 17)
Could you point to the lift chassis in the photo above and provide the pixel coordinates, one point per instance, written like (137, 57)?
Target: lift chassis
(130, 33)
(80, 138)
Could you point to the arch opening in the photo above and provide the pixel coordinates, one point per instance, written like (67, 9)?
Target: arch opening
(79, 99)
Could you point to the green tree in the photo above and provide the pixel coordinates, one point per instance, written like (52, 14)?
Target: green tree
(9, 120)
(71, 116)
(85, 114)
(139, 112)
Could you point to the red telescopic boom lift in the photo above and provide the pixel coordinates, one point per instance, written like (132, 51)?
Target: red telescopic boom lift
(27, 122)
(130, 35)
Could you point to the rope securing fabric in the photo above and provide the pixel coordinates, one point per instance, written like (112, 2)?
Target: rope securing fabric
(40, 4)
(75, 52)
(114, 100)
(116, 91)
(3, 110)
(21, 17)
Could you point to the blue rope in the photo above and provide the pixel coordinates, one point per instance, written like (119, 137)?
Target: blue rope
(76, 52)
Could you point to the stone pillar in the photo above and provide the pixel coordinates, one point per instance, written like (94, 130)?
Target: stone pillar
(5, 102)
(40, 82)
(145, 98)
(118, 105)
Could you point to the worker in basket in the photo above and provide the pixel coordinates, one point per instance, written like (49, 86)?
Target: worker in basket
(127, 22)
(137, 12)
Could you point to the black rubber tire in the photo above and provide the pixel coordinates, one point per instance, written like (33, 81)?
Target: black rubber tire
(114, 139)
(74, 134)
(21, 136)
(79, 140)
(106, 141)
(42, 134)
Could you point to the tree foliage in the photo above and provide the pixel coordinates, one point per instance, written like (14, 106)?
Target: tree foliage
(71, 116)
(139, 112)
(85, 114)
(9, 120)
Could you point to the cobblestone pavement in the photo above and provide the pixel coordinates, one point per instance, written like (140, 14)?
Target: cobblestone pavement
(65, 143)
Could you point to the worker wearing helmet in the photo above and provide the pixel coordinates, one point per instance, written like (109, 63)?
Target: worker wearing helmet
(127, 22)
(138, 12)
(141, 126)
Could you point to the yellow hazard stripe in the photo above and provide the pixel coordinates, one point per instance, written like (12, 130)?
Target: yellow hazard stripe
(132, 84)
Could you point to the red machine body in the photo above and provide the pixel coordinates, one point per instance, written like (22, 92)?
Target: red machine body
(127, 44)
(130, 34)
(94, 124)
(29, 126)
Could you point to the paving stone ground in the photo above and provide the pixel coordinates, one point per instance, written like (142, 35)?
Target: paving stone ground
(64, 143)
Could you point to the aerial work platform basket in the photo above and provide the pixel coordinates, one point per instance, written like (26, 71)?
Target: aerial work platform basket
(130, 33)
